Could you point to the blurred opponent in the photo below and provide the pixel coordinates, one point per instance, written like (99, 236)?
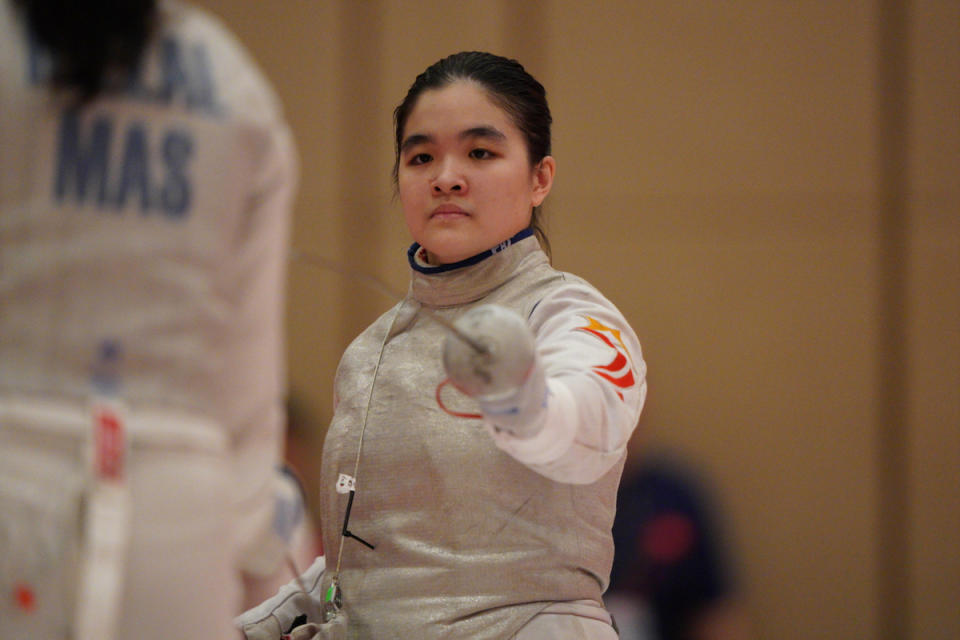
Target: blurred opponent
(146, 183)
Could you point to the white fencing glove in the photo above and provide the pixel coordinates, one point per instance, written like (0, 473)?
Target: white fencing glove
(273, 618)
(506, 378)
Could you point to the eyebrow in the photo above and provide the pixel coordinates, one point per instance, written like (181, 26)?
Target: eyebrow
(482, 131)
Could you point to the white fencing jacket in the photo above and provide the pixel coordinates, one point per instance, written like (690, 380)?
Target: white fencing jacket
(143, 247)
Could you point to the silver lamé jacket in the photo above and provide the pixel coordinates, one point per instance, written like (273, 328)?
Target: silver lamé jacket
(475, 532)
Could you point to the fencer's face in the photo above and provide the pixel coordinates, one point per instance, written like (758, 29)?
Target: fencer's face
(464, 176)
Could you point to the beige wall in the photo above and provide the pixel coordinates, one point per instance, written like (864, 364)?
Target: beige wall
(769, 192)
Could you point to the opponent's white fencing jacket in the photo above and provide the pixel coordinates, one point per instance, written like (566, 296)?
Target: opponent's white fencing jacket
(143, 245)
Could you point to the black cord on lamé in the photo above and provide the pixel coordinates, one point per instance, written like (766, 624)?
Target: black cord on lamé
(346, 520)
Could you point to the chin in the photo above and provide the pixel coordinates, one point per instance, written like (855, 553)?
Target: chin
(449, 252)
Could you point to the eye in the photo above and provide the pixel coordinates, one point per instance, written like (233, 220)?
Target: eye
(480, 154)
(420, 158)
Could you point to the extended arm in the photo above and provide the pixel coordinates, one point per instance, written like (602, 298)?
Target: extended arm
(567, 405)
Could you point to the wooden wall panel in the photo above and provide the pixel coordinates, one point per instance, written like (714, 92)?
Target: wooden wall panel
(720, 178)
(933, 331)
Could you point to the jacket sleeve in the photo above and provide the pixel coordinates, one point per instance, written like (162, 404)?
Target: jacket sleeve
(258, 272)
(596, 382)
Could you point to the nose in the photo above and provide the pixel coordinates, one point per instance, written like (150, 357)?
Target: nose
(449, 178)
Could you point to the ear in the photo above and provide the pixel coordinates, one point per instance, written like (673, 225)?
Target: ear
(543, 179)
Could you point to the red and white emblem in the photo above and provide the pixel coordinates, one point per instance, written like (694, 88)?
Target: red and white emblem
(619, 371)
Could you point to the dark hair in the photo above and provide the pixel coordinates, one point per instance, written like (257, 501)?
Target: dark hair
(88, 40)
(508, 85)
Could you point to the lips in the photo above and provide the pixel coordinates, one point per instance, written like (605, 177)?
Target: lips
(448, 210)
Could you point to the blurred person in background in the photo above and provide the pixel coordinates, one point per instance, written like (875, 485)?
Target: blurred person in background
(146, 182)
(673, 576)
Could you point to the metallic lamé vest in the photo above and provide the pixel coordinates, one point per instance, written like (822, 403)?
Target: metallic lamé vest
(469, 542)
